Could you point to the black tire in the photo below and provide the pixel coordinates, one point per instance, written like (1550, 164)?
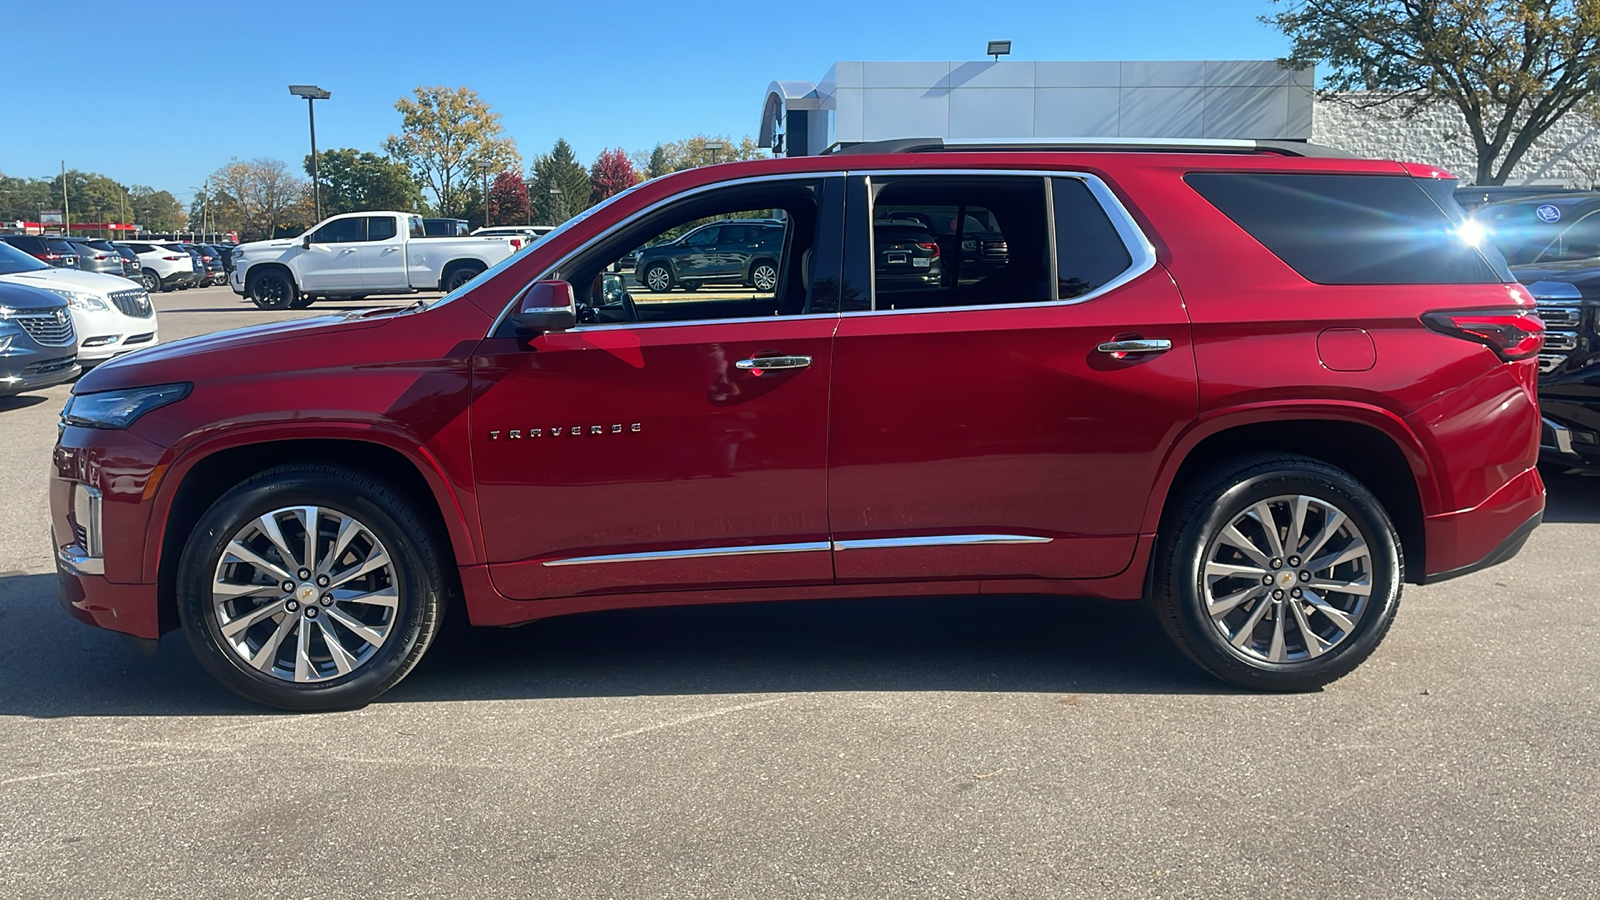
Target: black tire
(302, 301)
(459, 276)
(184, 286)
(150, 280)
(272, 289)
(418, 577)
(658, 278)
(1193, 531)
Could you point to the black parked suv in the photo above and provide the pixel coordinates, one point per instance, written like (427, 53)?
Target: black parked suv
(211, 258)
(130, 263)
(1553, 246)
(38, 346)
(727, 251)
(52, 249)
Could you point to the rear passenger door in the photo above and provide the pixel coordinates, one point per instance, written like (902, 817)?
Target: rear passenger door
(988, 425)
(383, 256)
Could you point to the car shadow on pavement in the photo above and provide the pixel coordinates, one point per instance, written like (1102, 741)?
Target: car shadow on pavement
(21, 401)
(1570, 498)
(53, 666)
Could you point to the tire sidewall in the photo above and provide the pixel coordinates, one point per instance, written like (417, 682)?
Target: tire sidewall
(198, 565)
(265, 303)
(1370, 521)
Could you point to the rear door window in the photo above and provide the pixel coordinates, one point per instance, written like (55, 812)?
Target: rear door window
(380, 228)
(1352, 229)
(1089, 252)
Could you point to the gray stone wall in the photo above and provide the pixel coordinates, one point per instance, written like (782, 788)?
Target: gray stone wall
(1567, 155)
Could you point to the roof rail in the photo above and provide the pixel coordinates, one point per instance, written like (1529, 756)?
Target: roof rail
(1106, 144)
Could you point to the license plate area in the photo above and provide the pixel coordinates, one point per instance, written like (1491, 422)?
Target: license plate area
(897, 259)
(920, 262)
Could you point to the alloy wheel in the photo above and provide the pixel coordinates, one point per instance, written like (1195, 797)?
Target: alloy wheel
(305, 594)
(1287, 580)
(658, 279)
(765, 278)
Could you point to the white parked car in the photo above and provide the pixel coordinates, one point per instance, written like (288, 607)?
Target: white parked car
(164, 267)
(357, 254)
(525, 233)
(111, 316)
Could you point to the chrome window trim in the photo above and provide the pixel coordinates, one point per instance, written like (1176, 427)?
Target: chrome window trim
(1140, 250)
(639, 214)
(701, 553)
(940, 540)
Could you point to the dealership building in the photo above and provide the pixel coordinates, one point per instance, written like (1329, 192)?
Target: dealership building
(999, 100)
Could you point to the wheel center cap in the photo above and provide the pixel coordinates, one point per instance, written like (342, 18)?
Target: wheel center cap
(1285, 579)
(306, 593)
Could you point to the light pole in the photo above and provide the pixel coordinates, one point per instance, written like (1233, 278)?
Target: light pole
(714, 146)
(527, 187)
(483, 169)
(312, 93)
(558, 208)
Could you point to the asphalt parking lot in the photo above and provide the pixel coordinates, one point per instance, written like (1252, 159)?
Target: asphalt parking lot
(972, 747)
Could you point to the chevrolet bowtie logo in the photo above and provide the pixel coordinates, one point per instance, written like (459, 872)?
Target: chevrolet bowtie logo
(517, 434)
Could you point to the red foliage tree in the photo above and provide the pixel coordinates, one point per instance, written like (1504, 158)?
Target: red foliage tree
(611, 173)
(508, 200)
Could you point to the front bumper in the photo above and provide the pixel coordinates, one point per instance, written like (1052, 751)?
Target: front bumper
(236, 281)
(40, 374)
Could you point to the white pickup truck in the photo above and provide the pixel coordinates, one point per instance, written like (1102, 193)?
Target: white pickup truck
(357, 254)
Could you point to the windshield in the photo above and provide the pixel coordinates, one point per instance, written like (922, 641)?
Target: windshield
(13, 261)
(497, 268)
(1529, 233)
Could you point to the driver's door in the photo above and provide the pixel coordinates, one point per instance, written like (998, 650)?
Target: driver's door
(670, 449)
(333, 259)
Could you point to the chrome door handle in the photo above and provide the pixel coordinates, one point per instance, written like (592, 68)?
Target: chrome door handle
(762, 363)
(1139, 345)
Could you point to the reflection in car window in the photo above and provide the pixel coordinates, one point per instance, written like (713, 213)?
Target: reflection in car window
(13, 261)
(705, 236)
(942, 241)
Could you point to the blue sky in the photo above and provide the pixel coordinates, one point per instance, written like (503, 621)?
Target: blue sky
(212, 84)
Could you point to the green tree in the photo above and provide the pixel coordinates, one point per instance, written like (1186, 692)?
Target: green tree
(692, 152)
(1512, 67)
(658, 163)
(560, 187)
(156, 210)
(447, 137)
(354, 181)
(22, 198)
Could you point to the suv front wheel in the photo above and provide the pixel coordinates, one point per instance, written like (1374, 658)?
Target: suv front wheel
(1278, 573)
(310, 587)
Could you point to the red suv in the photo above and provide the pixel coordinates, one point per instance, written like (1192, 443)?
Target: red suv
(1258, 386)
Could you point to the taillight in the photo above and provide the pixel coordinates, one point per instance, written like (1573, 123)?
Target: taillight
(173, 258)
(516, 244)
(1511, 334)
(50, 256)
(934, 248)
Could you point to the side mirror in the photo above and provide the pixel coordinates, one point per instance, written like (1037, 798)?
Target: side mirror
(544, 307)
(305, 242)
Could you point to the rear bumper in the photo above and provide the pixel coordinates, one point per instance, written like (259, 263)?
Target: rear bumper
(1467, 541)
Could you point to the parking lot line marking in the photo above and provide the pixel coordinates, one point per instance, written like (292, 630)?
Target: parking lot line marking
(695, 718)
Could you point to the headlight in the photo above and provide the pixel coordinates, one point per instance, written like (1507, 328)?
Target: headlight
(119, 409)
(80, 300)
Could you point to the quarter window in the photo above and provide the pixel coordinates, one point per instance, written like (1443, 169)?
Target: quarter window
(1089, 252)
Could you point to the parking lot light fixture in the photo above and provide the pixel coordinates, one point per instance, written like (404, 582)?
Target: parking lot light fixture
(312, 94)
(998, 49)
(714, 146)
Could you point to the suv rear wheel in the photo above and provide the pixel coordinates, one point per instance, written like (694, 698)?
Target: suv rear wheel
(1278, 573)
(150, 280)
(310, 587)
(658, 278)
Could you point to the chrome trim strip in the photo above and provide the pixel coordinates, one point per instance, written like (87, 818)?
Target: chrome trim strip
(1142, 252)
(76, 561)
(702, 553)
(940, 540)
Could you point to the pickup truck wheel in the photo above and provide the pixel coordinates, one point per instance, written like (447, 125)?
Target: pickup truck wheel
(150, 280)
(460, 276)
(272, 290)
(1277, 573)
(658, 278)
(310, 587)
